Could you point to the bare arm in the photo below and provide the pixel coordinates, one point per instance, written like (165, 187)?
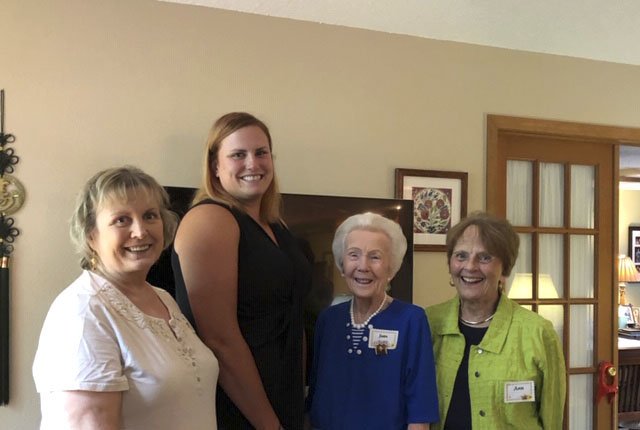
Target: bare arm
(418, 426)
(207, 246)
(88, 410)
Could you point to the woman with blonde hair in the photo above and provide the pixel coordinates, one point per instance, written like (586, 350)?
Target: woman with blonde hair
(241, 279)
(116, 352)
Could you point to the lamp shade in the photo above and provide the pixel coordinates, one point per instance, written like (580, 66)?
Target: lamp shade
(522, 287)
(627, 271)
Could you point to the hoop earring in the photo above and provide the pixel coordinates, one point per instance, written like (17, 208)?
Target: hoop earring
(451, 281)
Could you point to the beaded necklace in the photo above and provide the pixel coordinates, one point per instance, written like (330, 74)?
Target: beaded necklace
(364, 324)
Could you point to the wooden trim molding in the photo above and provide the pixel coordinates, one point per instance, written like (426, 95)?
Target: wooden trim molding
(571, 130)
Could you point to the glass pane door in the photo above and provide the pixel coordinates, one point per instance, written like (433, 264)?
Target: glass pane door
(555, 193)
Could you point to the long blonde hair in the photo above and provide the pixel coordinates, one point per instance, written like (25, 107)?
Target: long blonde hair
(211, 188)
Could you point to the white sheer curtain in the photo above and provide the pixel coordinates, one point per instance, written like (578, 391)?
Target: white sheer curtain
(522, 267)
(583, 196)
(581, 406)
(550, 246)
(550, 262)
(551, 194)
(551, 258)
(581, 339)
(519, 209)
(519, 212)
(581, 266)
(519, 192)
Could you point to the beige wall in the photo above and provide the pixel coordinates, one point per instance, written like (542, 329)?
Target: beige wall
(95, 83)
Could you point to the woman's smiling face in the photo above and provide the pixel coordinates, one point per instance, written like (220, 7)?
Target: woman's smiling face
(128, 236)
(367, 263)
(474, 271)
(245, 165)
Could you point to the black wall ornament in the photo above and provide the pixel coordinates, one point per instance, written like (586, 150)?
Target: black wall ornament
(12, 196)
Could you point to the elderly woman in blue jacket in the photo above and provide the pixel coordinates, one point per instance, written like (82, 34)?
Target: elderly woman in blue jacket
(373, 363)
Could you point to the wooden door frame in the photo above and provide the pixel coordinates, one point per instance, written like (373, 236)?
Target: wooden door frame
(569, 131)
(497, 124)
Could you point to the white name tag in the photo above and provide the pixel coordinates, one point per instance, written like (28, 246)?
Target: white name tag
(519, 391)
(388, 338)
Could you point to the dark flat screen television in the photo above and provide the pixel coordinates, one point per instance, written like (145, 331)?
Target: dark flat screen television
(313, 220)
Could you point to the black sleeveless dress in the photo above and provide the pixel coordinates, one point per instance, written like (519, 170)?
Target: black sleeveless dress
(273, 280)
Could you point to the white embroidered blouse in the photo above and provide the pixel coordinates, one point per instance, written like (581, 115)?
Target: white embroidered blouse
(95, 339)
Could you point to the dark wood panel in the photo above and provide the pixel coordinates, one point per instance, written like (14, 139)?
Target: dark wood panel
(629, 384)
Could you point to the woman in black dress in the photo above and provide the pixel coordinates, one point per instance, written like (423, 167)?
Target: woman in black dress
(241, 279)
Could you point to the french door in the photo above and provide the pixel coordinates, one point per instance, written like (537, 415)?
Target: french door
(556, 182)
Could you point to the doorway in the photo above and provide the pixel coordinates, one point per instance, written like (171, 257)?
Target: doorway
(557, 183)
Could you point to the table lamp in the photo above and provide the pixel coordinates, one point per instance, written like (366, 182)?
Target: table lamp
(627, 272)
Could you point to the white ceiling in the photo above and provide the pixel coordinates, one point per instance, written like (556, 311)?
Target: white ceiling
(606, 30)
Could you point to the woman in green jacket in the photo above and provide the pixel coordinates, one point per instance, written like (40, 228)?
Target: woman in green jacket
(498, 365)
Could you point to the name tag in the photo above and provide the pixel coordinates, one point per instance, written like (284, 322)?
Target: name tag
(519, 391)
(386, 338)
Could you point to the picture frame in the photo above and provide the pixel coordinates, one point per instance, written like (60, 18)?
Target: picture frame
(634, 245)
(635, 311)
(439, 202)
(626, 314)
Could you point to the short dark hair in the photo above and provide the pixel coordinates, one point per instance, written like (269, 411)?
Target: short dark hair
(497, 235)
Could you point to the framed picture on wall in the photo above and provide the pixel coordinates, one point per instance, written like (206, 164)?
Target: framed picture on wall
(439, 202)
(634, 245)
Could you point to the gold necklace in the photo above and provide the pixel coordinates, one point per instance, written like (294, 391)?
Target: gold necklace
(472, 323)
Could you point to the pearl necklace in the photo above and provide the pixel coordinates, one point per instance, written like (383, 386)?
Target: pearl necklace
(472, 323)
(364, 324)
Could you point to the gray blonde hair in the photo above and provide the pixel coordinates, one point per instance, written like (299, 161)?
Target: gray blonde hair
(121, 184)
(370, 222)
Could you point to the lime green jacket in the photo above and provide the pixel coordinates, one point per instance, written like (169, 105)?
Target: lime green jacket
(519, 346)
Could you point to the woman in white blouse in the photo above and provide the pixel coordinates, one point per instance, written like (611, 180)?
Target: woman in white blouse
(115, 352)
